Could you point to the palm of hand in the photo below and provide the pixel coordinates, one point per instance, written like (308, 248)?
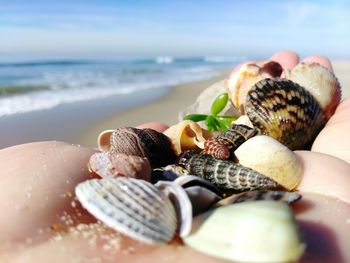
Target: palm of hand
(38, 181)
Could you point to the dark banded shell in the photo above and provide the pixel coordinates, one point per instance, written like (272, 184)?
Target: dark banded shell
(144, 143)
(281, 196)
(226, 175)
(285, 111)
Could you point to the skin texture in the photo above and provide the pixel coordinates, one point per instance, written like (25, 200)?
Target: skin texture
(39, 209)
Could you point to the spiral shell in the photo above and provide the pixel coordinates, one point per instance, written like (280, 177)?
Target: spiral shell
(141, 142)
(225, 143)
(285, 111)
(226, 175)
(187, 135)
(134, 207)
(110, 164)
(321, 83)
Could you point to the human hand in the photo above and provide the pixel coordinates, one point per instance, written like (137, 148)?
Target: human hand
(42, 222)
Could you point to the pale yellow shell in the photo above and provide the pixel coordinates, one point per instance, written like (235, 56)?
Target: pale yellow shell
(260, 231)
(271, 158)
(187, 135)
(103, 140)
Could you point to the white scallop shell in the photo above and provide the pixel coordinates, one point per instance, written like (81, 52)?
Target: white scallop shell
(134, 207)
(260, 231)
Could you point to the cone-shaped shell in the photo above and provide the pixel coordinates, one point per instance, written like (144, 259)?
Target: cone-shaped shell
(241, 81)
(111, 164)
(187, 135)
(321, 83)
(271, 158)
(134, 207)
(144, 143)
(285, 111)
(260, 231)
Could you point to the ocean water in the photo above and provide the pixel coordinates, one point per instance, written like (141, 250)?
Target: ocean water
(38, 85)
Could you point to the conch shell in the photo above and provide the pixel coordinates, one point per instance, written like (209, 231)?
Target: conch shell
(187, 135)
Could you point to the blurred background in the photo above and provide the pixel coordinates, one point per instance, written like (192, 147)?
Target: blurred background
(63, 52)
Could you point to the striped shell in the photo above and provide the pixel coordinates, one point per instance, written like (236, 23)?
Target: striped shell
(285, 111)
(282, 196)
(134, 207)
(226, 175)
(110, 164)
(140, 142)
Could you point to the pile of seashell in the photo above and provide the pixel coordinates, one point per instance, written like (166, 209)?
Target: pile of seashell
(225, 194)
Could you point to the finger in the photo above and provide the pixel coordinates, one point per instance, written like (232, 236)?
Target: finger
(324, 225)
(324, 61)
(38, 187)
(287, 59)
(334, 138)
(154, 125)
(325, 175)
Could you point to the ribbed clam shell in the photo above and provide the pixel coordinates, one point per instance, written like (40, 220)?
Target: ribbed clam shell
(321, 83)
(134, 207)
(182, 204)
(226, 175)
(282, 196)
(145, 143)
(111, 164)
(285, 111)
(201, 193)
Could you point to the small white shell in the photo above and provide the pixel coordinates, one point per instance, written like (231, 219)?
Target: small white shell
(182, 204)
(111, 164)
(320, 82)
(260, 231)
(134, 207)
(271, 158)
(187, 135)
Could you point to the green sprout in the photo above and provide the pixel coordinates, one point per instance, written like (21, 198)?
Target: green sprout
(214, 122)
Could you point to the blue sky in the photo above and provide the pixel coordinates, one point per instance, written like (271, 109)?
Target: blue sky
(113, 29)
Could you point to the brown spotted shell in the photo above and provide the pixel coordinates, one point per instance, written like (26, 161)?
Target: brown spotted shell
(141, 142)
(111, 164)
(285, 111)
